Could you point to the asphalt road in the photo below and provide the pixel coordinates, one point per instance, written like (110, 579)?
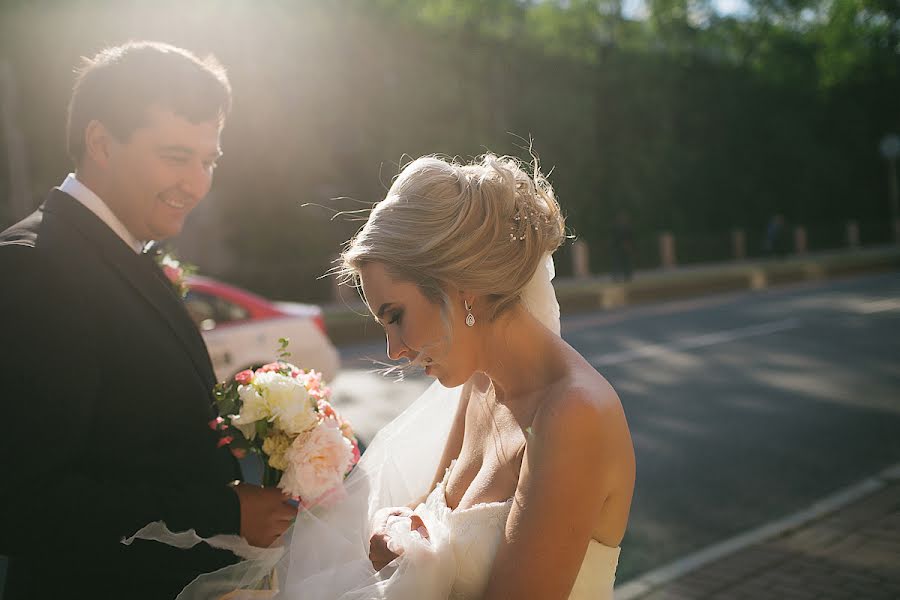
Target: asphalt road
(743, 408)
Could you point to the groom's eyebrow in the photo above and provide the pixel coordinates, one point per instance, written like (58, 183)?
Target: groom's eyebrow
(216, 154)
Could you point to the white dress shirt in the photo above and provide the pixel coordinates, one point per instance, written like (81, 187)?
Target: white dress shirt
(92, 201)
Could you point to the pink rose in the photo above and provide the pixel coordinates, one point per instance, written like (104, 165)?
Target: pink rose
(239, 452)
(216, 423)
(329, 498)
(244, 377)
(356, 454)
(224, 441)
(313, 380)
(271, 367)
(347, 430)
(175, 274)
(317, 461)
(328, 411)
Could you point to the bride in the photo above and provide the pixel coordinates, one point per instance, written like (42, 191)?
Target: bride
(512, 476)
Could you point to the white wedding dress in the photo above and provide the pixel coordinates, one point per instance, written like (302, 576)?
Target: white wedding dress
(475, 533)
(325, 554)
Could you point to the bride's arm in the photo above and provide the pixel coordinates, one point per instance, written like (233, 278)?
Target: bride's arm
(572, 458)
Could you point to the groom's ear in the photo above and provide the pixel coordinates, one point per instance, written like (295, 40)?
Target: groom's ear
(98, 143)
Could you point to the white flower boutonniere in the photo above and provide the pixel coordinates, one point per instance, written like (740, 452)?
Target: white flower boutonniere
(176, 271)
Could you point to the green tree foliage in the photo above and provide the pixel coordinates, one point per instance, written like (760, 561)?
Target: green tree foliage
(686, 119)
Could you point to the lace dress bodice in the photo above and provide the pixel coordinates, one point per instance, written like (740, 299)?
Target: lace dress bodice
(475, 533)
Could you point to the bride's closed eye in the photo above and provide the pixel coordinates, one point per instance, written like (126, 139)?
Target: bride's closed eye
(395, 317)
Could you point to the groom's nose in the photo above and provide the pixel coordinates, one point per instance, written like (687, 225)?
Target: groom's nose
(196, 182)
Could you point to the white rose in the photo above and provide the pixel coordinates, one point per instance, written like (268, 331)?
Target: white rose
(253, 409)
(288, 402)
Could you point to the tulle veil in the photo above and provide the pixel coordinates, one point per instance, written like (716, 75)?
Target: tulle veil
(324, 555)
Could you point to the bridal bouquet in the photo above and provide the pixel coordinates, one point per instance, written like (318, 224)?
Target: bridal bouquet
(283, 414)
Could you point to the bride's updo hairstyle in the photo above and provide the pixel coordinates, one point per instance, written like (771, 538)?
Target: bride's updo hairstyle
(482, 227)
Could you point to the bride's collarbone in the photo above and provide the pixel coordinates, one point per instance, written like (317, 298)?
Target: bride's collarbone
(486, 415)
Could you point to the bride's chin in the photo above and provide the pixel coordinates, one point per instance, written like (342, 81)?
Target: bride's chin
(447, 379)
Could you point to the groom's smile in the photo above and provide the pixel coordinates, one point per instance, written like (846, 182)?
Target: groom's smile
(173, 203)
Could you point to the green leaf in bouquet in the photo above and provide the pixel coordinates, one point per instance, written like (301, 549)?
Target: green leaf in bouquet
(228, 401)
(228, 407)
(282, 350)
(262, 428)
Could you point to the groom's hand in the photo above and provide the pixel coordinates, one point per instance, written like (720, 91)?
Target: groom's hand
(265, 514)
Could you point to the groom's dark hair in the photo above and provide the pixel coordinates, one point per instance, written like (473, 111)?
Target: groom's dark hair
(119, 84)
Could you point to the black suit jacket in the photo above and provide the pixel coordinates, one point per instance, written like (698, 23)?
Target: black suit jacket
(105, 397)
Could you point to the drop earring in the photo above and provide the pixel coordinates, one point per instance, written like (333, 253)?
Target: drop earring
(470, 318)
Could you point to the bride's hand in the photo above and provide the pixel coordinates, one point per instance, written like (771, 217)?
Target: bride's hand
(379, 552)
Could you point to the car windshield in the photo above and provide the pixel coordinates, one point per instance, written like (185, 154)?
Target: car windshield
(208, 311)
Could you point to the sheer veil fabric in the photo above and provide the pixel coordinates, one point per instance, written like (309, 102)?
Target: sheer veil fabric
(325, 553)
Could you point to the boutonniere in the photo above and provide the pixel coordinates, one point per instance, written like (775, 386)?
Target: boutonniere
(175, 271)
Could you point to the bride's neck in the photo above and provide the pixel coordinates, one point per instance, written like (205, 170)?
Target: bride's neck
(516, 354)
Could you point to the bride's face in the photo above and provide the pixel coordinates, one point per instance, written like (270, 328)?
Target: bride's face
(415, 329)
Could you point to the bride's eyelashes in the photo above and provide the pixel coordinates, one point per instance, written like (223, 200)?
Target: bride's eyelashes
(395, 317)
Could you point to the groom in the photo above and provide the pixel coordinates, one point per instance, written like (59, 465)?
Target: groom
(106, 383)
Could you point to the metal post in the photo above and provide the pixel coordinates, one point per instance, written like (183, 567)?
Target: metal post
(853, 234)
(580, 260)
(895, 203)
(739, 244)
(667, 250)
(890, 150)
(800, 241)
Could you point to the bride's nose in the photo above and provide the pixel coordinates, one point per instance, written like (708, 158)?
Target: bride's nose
(396, 349)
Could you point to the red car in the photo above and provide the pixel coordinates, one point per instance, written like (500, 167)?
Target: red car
(242, 329)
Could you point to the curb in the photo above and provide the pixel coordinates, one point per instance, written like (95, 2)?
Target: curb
(351, 324)
(648, 582)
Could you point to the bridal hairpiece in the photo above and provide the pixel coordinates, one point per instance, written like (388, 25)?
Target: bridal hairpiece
(522, 220)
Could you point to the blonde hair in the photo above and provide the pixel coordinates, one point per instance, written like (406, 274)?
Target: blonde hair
(481, 227)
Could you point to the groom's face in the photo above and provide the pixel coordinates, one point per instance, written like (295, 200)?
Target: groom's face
(161, 172)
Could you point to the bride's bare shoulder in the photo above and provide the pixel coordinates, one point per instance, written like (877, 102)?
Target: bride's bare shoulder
(582, 383)
(582, 401)
(581, 395)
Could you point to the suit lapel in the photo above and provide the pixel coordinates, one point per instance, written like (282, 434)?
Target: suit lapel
(139, 273)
